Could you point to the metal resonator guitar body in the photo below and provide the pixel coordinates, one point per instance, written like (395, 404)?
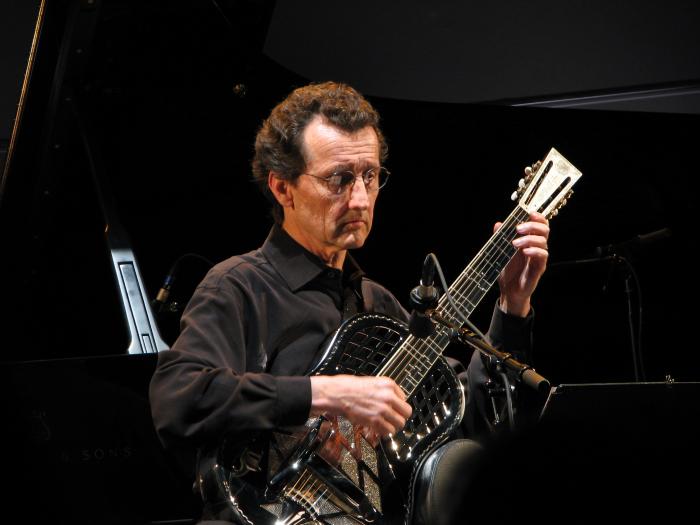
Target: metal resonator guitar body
(326, 472)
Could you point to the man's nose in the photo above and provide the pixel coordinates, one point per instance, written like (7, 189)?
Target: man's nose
(359, 198)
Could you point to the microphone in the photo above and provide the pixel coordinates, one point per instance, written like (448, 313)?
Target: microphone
(634, 242)
(426, 290)
(422, 298)
(161, 300)
(164, 292)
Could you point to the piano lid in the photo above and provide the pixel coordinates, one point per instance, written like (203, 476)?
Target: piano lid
(83, 447)
(104, 140)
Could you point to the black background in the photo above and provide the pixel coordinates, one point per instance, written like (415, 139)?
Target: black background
(175, 143)
(175, 140)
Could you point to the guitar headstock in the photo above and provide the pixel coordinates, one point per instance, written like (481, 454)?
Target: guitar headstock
(546, 186)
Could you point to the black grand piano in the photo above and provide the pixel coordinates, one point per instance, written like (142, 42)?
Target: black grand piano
(127, 176)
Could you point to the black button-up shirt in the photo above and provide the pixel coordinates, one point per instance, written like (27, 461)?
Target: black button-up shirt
(251, 331)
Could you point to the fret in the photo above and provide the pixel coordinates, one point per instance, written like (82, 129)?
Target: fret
(414, 358)
(500, 249)
(407, 384)
(419, 368)
(464, 297)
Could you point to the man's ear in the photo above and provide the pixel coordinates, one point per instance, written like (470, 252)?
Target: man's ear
(281, 189)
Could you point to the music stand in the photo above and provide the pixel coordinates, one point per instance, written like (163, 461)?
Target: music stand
(604, 452)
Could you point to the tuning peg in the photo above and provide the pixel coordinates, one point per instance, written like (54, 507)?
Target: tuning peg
(521, 183)
(514, 196)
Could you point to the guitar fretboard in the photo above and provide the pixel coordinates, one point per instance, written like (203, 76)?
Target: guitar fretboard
(415, 357)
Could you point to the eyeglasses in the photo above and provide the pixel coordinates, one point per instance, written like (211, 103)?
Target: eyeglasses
(341, 181)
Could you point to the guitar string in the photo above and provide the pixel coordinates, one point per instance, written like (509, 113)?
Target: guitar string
(316, 484)
(496, 256)
(435, 346)
(458, 289)
(312, 485)
(303, 493)
(488, 265)
(474, 275)
(404, 370)
(487, 258)
(310, 489)
(484, 258)
(302, 477)
(430, 349)
(321, 495)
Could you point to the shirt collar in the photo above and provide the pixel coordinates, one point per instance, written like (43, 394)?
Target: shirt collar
(296, 264)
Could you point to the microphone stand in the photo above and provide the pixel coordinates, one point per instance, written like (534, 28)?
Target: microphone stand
(522, 372)
(635, 339)
(424, 300)
(503, 363)
(618, 261)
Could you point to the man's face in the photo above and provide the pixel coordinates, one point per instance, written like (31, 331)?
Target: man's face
(323, 222)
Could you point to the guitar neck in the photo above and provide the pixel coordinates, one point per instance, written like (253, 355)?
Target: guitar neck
(416, 356)
(483, 271)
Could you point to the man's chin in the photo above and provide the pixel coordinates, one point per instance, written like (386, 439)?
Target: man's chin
(354, 243)
(353, 239)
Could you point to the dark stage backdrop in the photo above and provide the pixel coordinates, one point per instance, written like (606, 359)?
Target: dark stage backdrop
(507, 50)
(175, 137)
(173, 93)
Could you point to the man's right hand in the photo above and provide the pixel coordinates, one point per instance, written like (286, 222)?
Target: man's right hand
(376, 403)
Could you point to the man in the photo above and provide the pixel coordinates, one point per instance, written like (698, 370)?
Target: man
(255, 324)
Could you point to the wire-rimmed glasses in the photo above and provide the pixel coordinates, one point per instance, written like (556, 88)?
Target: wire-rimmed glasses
(341, 181)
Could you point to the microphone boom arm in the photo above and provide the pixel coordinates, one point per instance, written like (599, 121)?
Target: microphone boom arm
(524, 373)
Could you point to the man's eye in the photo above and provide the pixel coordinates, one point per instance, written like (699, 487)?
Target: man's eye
(343, 179)
(335, 180)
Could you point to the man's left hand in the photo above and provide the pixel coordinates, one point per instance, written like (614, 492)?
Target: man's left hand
(519, 278)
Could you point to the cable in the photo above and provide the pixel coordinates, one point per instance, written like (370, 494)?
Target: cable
(462, 317)
(509, 399)
(164, 293)
(637, 358)
(191, 255)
